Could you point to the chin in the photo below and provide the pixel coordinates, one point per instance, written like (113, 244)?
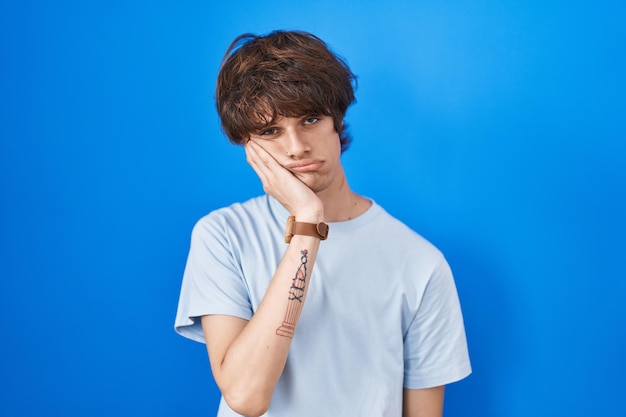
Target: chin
(318, 187)
(317, 183)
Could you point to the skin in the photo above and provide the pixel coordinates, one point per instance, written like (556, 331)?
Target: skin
(309, 149)
(298, 163)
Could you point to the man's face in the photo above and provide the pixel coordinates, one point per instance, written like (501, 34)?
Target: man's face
(307, 146)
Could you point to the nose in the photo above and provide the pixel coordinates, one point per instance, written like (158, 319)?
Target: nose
(297, 143)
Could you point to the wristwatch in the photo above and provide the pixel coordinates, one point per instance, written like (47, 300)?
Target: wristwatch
(319, 230)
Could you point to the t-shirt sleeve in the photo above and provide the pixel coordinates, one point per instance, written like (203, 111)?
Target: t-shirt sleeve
(435, 347)
(212, 281)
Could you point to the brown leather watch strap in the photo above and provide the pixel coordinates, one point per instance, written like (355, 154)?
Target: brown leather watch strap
(319, 230)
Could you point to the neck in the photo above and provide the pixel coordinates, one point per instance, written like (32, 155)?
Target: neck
(340, 202)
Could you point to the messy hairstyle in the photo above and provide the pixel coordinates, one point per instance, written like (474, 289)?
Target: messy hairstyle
(281, 74)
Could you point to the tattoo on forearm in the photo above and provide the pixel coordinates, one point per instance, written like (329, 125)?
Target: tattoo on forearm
(296, 295)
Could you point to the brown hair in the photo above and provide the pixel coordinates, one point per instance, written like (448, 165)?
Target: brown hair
(284, 73)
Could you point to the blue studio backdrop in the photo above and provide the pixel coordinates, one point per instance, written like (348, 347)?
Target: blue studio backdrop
(493, 128)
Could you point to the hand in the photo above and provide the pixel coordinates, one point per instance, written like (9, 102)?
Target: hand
(285, 187)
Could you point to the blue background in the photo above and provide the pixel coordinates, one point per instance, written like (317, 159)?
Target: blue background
(495, 129)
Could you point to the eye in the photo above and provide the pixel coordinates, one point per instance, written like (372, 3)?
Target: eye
(269, 132)
(311, 120)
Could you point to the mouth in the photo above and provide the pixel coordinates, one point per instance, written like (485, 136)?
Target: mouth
(305, 166)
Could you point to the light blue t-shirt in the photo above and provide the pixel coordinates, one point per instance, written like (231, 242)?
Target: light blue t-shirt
(382, 311)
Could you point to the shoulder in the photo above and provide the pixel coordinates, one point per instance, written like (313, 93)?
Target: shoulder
(397, 235)
(252, 223)
(236, 215)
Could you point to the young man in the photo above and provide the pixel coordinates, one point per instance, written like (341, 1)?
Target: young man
(311, 299)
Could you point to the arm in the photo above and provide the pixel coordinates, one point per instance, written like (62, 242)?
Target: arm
(248, 357)
(423, 402)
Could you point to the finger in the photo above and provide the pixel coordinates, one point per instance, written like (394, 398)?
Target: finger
(262, 154)
(254, 160)
(264, 163)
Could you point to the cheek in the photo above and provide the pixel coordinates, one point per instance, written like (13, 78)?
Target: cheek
(275, 149)
(335, 143)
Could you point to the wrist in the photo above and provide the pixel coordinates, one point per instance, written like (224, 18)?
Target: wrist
(295, 227)
(310, 219)
(312, 216)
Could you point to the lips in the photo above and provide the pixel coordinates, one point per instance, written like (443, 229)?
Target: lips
(306, 165)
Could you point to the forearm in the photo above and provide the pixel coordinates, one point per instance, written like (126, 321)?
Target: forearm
(249, 369)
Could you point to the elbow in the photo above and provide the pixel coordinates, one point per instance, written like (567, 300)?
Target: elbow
(249, 405)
